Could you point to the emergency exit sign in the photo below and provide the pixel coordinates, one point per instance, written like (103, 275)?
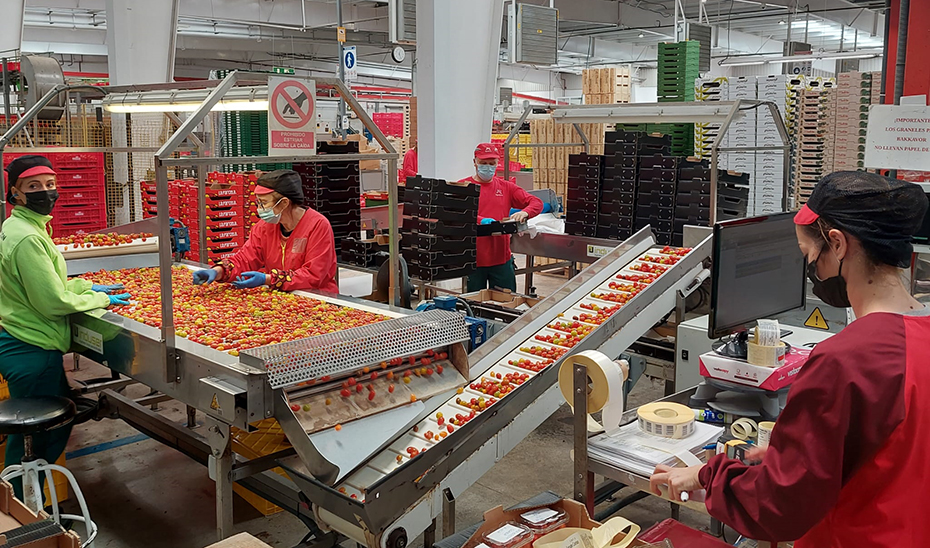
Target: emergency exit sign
(283, 70)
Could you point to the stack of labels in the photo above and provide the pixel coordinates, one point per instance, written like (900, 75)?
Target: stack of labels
(666, 419)
(605, 388)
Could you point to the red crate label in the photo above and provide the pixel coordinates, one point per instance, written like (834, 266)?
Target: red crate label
(219, 246)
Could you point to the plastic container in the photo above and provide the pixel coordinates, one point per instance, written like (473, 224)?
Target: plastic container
(508, 535)
(543, 521)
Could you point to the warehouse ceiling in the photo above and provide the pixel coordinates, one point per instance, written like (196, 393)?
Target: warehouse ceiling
(263, 33)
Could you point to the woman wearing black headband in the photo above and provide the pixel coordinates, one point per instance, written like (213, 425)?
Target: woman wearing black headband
(848, 462)
(36, 298)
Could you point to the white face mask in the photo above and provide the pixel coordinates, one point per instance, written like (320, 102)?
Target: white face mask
(268, 215)
(486, 171)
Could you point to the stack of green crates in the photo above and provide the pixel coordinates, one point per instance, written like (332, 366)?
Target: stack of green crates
(678, 68)
(245, 133)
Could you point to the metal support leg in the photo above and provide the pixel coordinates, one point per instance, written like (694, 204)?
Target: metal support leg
(76, 359)
(448, 513)
(429, 536)
(191, 417)
(716, 528)
(676, 511)
(583, 492)
(528, 277)
(221, 472)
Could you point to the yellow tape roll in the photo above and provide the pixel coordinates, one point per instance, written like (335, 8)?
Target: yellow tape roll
(666, 419)
(605, 379)
(744, 428)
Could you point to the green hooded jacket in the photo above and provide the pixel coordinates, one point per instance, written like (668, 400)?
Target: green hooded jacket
(36, 296)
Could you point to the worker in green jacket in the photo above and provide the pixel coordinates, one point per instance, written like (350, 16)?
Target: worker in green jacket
(36, 298)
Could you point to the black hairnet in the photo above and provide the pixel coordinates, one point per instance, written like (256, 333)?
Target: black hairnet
(883, 213)
(285, 182)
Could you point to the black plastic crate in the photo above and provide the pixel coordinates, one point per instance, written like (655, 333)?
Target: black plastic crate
(616, 221)
(621, 173)
(580, 229)
(655, 185)
(591, 160)
(677, 239)
(619, 161)
(585, 216)
(732, 177)
(619, 149)
(658, 225)
(583, 184)
(584, 194)
(615, 196)
(663, 238)
(346, 228)
(445, 258)
(613, 233)
(618, 185)
(658, 199)
(338, 170)
(738, 192)
(436, 273)
(621, 136)
(618, 208)
(439, 243)
(655, 211)
(694, 185)
(441, 213)
(334, 147)
(585, 172)
(440, 228)
(678, 225)
(451, 201)
(442, 187)
(739, 205)
(327, 207)
(693, 212)
(658, 161)
(724, 214)
(699, 199)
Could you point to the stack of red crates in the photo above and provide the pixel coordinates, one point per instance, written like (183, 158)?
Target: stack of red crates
(229, 211)
(390, 123)
(82, 202)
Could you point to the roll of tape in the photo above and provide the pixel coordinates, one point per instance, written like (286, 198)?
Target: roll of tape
(666, 419)
(765, 433)
(744, 428)
(605, 379)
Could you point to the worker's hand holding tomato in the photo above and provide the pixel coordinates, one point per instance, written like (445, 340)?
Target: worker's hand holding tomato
(520, 216)
(678, 480)
(107, 288)
(205, 276)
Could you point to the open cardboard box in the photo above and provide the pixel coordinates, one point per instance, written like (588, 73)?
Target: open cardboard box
(577, 517)
(15, 514)
(504, 298)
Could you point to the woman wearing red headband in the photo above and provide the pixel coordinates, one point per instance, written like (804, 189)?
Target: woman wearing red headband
(848, 464)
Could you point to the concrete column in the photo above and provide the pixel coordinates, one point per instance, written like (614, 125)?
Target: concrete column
(141, 49)
(458, 46)
(916, 71)
(11, 26)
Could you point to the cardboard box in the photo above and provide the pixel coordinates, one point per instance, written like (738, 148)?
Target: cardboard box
(740, 371)
(504, 298)
(14, 514)
(242, 540)
(577, 517)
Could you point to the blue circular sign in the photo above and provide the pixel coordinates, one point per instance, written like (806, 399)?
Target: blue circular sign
(350, 59)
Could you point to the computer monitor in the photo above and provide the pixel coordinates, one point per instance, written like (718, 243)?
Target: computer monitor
(758, 272)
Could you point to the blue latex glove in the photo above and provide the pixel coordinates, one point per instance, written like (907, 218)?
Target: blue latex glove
(205, 276)
(107, 288)
(248, 280)
(486, 221)
(120, 300)
(547, 207)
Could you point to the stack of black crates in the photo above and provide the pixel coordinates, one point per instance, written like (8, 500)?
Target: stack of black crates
(333, 189)
(642, 183)
(439, 230)
(365, 253)
(584, 179)
(615, 218)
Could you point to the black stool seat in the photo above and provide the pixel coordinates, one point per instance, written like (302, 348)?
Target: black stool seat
(29, 416)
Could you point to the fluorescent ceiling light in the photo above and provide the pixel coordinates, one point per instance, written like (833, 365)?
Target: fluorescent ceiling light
(238, 99)
(761, 60)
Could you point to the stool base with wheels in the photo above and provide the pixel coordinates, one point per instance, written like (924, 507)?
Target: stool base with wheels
(30, 416)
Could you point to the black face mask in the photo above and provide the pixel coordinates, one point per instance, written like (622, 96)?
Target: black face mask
(831, 291)
(41, 201)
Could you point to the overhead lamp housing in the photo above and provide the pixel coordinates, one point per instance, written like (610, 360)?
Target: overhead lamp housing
(240, 99)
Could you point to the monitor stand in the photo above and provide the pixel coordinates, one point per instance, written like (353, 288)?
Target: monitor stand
(736, 347)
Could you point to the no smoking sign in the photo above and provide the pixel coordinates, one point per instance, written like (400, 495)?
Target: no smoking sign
(291, 116)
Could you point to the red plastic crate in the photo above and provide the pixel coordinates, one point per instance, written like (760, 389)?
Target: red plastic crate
(81, 196)
(60, 229)
(220, 256)
(81, 214)
(81, 178)
(76, 160)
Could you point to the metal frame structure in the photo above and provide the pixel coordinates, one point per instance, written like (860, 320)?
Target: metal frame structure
(508, 143)
(723, 112)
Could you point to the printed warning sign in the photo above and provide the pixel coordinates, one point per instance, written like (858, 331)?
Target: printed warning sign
(816, 320)
(291, 116)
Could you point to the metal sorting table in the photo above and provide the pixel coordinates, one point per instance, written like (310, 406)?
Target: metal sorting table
(565, 247)
(395, 497)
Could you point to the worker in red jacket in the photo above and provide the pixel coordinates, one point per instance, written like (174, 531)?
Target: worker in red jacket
(848, 462)
(291, 247)
(409, 168)
(497, 198)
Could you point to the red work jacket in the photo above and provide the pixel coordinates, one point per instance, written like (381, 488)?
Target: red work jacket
(849, 461)
(304, 260)
(497, 198)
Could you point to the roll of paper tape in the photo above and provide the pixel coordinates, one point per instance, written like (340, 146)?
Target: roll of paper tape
(744, 428)
(765, 433)
(666, 419)
(605, 379)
